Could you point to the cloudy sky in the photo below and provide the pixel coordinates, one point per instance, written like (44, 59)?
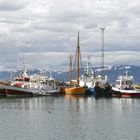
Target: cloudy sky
(44, 32)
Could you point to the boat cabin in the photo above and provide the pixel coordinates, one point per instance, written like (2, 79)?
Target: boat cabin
(125, 82)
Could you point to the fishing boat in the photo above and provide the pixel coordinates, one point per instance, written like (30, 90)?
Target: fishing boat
(124, 87)
(12, 91)
(45, 85)
(36, 84)
(102, 86)
(74, 88)
(87, 79)
(98, 85)
(25, 89)
(2, 91)
(3, 85)
(7, 88)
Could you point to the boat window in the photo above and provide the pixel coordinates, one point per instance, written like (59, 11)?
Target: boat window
(26, 79)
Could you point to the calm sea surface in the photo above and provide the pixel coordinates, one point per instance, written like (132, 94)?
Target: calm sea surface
(69, 118)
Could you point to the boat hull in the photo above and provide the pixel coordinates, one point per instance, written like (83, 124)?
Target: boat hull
(126, 93)
(75, 90)
(18, 92)
(96, 91)
(130, 95)
(2, 91)
(47, 93)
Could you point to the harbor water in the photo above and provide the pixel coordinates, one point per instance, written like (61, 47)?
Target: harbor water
(69, 118)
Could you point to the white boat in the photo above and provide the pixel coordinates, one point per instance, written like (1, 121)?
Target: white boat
(124, 87)
(87, 79)
(37, 84)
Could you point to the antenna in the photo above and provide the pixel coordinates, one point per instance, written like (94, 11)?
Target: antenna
(102, 61)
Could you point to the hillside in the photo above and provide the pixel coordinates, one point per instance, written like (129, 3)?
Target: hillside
(112, 73)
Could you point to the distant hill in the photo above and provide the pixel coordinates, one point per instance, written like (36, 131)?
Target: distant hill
(112, 72)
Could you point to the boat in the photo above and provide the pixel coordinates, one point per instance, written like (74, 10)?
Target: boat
(74, 88)
(102, 86)
(3, 85)
(2, 91)
(98, 85)
(12, 91)
(29, 88)
(45, 85)
(28, 85)
(17, 90)
(124, 87)
(87, 79)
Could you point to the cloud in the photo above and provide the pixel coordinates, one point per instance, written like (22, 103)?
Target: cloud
(12, 5)
(47, 31)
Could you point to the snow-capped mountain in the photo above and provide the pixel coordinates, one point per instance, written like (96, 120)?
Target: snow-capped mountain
(112, 72)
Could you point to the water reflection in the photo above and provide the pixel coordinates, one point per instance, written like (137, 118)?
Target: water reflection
(77, 102)
(125, 104)
(69, 118)
(42, 104)
(76, 108)
(28, 104)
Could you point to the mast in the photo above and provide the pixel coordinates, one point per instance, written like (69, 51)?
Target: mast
(78, 59)
(24, 70)
(126, 73)
(88, 66)
(70, 75)
(102, 61)
(11, 74)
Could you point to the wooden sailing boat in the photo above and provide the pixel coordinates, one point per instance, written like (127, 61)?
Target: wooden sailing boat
(76, 89)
